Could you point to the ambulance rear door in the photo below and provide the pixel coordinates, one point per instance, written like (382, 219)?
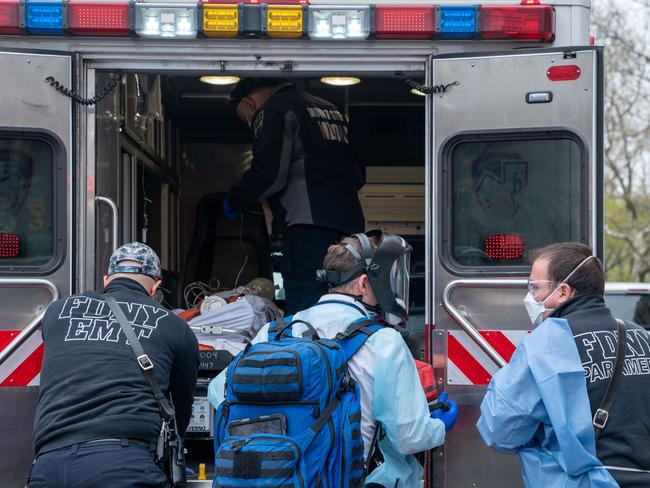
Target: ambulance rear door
(36, 247)
(516, 164)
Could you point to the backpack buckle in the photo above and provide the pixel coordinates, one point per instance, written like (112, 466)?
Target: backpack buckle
(340, 336)
(600, 418)
(145, 363)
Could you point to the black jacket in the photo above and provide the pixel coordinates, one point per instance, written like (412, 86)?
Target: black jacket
(91, 384)
(625, 441)
(303, 164)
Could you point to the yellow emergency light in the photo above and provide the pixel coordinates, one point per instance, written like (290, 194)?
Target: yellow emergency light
(220, 20)
(284, 21)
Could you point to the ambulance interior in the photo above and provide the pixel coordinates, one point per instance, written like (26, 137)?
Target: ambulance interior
(168, 149)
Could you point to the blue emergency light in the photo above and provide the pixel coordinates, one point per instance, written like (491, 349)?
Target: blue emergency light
(44, 18)
(457, 22)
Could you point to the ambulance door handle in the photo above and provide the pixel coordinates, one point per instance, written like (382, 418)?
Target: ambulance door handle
(466, 325)
(33, 325)
(116, 214)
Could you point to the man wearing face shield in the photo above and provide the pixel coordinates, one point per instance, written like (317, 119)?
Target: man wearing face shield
(549, 404)
(304, 165)
(368, 277)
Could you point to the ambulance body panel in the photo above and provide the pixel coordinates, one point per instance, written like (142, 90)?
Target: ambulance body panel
(502, 97)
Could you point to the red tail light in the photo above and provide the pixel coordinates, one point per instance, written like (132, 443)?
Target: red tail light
(529, 22)
(10, 245)
(405, 22)
(504, 246)
(99, 18)
(9, 17)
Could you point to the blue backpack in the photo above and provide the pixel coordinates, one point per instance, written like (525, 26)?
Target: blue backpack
(292, 416)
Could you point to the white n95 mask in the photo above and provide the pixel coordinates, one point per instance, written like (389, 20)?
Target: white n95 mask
(536, 309)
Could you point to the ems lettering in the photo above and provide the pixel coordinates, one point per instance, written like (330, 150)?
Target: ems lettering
(587, 340)
(74, 304)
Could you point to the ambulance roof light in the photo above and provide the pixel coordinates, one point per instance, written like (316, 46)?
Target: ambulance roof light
(339, 23)
(92, 18)
(44, 17)
(166, 20)
(505, 246)
(9, 16)
(404, 22)
(10, 245)
(526, 23)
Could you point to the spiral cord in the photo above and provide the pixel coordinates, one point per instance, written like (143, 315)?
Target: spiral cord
(426, 89)
(78, 99)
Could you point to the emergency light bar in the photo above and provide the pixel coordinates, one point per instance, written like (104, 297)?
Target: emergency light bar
(293, 19)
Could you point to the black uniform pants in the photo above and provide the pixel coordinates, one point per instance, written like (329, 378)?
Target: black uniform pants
(114, 464)
(303, 250)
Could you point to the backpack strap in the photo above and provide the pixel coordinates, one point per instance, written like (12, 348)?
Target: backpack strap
(355, 336)
(275, 325)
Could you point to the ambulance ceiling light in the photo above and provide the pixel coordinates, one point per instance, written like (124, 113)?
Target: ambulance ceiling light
(457, 22)
(393, 22)
(45, 18)
(219, 80)
(92, 18)
(166, 20)
(9, 17)
(350, 22)
(340, 80)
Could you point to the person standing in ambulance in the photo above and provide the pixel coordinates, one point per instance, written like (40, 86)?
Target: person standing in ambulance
(304, 165)
(552, 403)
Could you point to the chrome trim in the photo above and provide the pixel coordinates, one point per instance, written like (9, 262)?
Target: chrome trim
(116, 214)
(466, 324)
(33, 325)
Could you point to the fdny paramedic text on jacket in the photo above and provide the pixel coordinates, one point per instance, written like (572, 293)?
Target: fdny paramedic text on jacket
(304, 165)
(542, 403)
(390, 388)
(96, 416)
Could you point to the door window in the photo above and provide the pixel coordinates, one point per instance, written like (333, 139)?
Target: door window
(510, 195)
(30, 171)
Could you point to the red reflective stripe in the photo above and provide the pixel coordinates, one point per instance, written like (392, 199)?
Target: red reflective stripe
(500, 342)
(470, 367)
(6, 336)
(27, 371)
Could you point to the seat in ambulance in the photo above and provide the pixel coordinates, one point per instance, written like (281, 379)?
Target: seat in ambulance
(220, 246)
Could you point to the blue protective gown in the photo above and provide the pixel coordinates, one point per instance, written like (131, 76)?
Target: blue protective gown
(389, 383)
(538, 406)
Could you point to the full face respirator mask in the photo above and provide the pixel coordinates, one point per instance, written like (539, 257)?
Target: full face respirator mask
(387, 268)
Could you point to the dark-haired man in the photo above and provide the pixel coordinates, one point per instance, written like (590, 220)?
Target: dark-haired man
(304, 165)
(543, 405)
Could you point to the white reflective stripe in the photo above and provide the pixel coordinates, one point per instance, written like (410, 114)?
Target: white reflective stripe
(631, 470)
(20, 355)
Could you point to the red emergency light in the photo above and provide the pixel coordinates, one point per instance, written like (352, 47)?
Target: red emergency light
(9, 16)
(99, 18)
(10, 245)
(258, 2)
(526, 23)
(404, 22)
(505, 246)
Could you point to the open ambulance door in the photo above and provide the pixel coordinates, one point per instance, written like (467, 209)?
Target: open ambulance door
(36, 246)
(516, 164)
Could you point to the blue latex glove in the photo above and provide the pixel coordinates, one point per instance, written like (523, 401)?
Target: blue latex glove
(448, 417)
(228, 211)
